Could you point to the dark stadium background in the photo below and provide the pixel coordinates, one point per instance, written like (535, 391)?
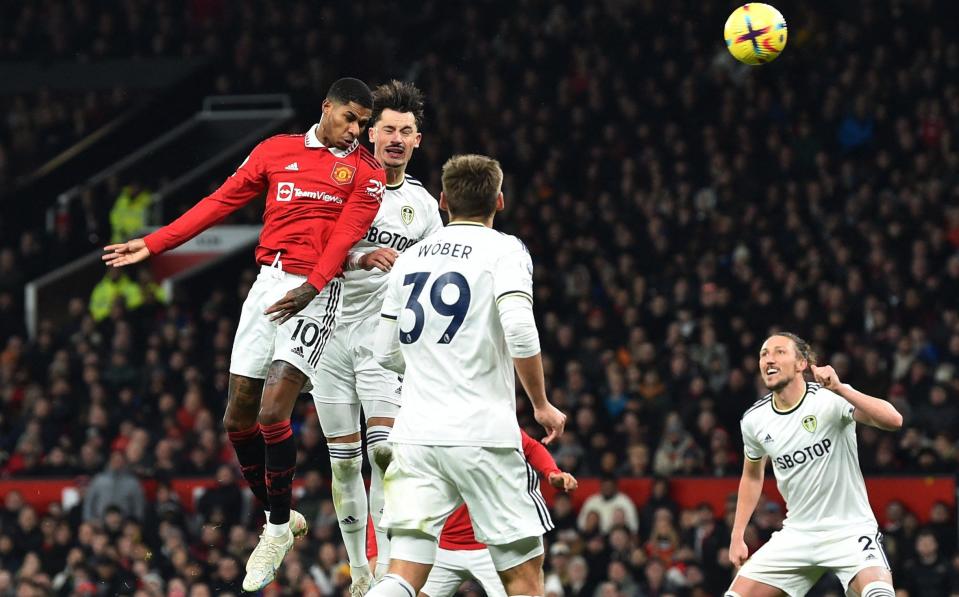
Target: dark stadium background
(678, 207)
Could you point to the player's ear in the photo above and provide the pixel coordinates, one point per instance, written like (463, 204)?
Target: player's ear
(371, 132)
(500, 202)
(419, 137)
(444, 206)
(326, 106)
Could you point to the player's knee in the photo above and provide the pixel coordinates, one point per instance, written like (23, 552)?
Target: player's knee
(382, 454)
(345, 468)
(271, 414)
(878, 588)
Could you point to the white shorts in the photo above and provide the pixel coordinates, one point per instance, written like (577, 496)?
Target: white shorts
(452, 568)
(794, 560)
(300, 341)
(350, 374)
(425, 484)
(338, 419)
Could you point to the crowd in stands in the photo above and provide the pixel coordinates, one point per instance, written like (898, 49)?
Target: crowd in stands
(677, 207)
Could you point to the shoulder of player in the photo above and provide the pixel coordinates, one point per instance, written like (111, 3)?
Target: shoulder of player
(757, 406)
(364, 156)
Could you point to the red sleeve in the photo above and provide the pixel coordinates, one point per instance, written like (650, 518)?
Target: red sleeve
(246, 184)
(354, 221)
(538, 456)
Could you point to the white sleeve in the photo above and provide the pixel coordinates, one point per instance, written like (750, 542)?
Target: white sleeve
(752, 449)
(839, 408)
(519, 326)
(386, 341)
(513, 274)
(386, 346)
(513, 289)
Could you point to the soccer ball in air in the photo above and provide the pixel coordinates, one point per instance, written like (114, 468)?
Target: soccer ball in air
(755, 33)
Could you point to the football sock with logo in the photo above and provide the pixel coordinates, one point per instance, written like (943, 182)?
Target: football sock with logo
(251, 454)
(349, 499)
(280, 468)
(378, 449)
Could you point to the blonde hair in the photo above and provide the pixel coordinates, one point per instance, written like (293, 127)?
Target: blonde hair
(471, 184)
(803, 349)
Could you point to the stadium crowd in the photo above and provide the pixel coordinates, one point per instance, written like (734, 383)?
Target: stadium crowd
(677, 208)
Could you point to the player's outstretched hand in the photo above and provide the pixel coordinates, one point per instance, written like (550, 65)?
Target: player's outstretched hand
(826, 376)
(382, 259)
(738, 552)
(128, 253)
(292, 303)
(552, 420)
(564, 481)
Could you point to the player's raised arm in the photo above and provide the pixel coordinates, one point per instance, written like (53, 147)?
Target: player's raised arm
(246, 184)
(543, 463)
(871, 411)
(750, 488)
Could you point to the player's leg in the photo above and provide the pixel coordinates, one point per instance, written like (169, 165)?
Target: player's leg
(249, 363)
(860, 562)
(240, 422)
(509, 514)
(786, 565)
(341, 425)
(418, 500)
(747, 587)
(379, 392)
(338, 409)
(447, 575)
(380, 417)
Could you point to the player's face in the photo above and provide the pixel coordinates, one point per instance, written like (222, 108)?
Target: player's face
(779, 362)
(394, 137)
(343, 123)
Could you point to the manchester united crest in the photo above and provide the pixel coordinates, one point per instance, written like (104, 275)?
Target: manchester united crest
(343, 173)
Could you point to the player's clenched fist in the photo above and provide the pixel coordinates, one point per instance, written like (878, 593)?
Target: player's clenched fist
(552, 420)
(738, 552)
(564, 481)
(826, 376)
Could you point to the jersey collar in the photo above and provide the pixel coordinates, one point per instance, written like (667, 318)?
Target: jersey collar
(466, 224)
(312, 141)
(772, 401)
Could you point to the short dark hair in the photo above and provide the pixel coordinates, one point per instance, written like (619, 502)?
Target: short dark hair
(348, 89)
(471, 184)
(399, 96)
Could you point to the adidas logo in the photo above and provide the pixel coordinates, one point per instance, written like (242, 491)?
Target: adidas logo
(871, 557)
(768, 439)
(298, 351)
(294, 167)
(349, 520)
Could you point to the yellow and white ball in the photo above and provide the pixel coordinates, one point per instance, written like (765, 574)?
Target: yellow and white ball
(755, 33)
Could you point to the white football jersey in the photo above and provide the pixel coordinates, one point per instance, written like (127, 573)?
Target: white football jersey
(814, 456)
(459, 386)
(408, 214)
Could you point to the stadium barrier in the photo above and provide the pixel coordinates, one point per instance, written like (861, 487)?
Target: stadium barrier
(918, 494)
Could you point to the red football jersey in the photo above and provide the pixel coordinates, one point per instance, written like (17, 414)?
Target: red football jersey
(319, 202)
(457, 533)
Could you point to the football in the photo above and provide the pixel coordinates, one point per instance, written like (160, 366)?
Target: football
(755, 33)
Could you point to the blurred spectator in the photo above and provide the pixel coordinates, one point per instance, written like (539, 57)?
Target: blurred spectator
(927, 575)
(130, 212)
(611, 506)
(114, 487)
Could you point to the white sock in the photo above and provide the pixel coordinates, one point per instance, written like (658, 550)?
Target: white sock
(349, 499)
(392, 585)
(267, 513)
(376, 437)
(277, 530)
